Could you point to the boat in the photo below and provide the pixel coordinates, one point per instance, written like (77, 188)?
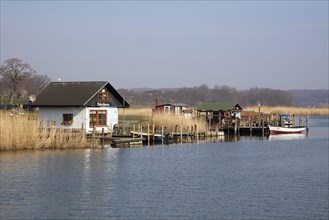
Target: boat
(286, 130)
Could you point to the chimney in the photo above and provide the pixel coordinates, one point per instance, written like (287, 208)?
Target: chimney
(157, 102)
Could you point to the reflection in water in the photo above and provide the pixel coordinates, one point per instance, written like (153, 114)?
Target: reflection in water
(287, 136)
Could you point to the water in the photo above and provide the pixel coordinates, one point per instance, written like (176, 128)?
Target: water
(275, 178)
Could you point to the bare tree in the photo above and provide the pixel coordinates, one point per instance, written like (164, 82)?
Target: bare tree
(35, 83)
(15, 71)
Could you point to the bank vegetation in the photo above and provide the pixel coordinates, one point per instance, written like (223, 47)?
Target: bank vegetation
(22, 131)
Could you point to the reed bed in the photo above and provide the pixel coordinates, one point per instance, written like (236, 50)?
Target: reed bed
(289, 110)
(133, 111)
(22, 131)
(174, 122)
(146, 117)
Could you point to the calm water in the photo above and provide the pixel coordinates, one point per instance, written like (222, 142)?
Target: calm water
(285, 177)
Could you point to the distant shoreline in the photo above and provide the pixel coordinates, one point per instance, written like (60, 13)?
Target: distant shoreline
(289, 110)
(146, 111)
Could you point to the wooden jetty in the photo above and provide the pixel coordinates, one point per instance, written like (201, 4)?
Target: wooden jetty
(249, 123)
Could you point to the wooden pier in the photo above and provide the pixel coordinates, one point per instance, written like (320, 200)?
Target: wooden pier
(253, 124)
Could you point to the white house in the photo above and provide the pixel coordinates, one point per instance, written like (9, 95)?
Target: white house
(76, 105)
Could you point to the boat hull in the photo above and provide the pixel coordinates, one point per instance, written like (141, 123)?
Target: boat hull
(286, 130)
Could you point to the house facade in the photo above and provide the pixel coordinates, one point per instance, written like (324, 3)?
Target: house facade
(92, 106)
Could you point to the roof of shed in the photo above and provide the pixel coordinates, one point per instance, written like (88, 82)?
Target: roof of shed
(69, 93)
(173, 104)
(218, 107)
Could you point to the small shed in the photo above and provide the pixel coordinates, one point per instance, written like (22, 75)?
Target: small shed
(75, 105)
(215, 112)
(170, 108)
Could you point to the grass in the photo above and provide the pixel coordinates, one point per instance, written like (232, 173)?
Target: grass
(21, 130)
(18, 101)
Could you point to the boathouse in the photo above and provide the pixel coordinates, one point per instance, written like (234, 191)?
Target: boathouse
(92, 106)
(218, 113)
(171, 108)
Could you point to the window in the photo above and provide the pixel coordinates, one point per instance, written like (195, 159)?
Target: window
(98, 118)
(103, 97)
(67, 119)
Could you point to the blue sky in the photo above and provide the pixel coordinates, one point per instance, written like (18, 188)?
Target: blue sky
(169, 44)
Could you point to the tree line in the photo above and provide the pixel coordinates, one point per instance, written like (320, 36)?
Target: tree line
(194, 96)
(19, 79)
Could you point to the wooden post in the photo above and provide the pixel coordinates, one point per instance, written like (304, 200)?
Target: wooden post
(250, 131)
(181, 133)
(282, 122)
(102, 140)
(235, 127)
(307, 123)
(162, 133)
(293, 120)
(300, 121)
(263, 129)
(197, 132)
(141, 131)
(216, 130)
(153, 132)
(133, 130)
(148, 134)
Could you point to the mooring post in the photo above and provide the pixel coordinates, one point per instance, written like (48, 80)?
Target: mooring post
(133, 130)
(153, 132)
(138, 129)
(148, 134)
(141, 131)
(235, 126)
(197, 132)
(307, 123)
(102, 140)
(216, 130)
(300, 121)
(162, 133)
(250, 125)
(282, 122)
(181, 133)
(263, 130)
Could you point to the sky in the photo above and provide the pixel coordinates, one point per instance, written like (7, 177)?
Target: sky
(172, 44)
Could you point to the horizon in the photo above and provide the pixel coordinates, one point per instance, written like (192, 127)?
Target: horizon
(169, 44)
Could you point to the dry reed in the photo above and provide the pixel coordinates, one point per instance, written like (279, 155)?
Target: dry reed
(289, 110)
(22, 131)
(169, 122)
(145, 112)
(174, 122)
